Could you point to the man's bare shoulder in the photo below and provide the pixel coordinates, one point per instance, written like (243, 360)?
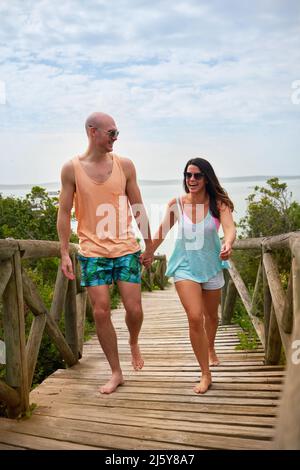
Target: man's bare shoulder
(67, 172)
(127, 165)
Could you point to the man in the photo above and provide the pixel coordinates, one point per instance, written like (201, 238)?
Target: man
(101, 183)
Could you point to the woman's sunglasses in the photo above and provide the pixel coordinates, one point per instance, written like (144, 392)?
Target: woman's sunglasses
(198, 176)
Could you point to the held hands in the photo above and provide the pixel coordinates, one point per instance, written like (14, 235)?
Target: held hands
(146, 258)
(67, 267)
(225, 251)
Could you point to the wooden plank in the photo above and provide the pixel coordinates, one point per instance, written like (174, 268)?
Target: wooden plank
(10, 447)
(244, 410)
(75, 410)
(101, 433)
(27, 441)
(218, 428)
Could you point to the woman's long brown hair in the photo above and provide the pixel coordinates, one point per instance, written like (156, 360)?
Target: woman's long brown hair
(215, 191)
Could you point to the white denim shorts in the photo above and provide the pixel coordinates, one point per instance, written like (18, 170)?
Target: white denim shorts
(216, 282)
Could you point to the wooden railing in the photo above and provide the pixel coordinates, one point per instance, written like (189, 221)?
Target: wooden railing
(17, 289)
(278, 324)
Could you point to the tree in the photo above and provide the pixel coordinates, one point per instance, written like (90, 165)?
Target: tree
(270, 211)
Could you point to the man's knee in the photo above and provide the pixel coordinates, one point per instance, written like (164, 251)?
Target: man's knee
(134, 309)
(101, 312)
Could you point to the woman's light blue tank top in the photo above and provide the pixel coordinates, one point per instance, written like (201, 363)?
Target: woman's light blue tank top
(197, 248)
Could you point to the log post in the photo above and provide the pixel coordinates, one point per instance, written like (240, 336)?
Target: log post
(267, 307)
(81, 301)
(224, 290)
(11, 397)
(59, 295)
(287, 435)
(229, 303)
(277, 294)
(71, 314)
(274, 340)
(36, 305)
(256, 291)
(5, 273)
(287, 316)
(14, 334)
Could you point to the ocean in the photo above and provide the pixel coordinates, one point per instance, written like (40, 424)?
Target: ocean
(156, 194)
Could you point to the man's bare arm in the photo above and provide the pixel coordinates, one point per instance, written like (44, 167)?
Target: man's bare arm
(134, 195)
(64, 217)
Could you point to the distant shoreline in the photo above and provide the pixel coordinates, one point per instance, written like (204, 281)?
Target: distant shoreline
(233, 179)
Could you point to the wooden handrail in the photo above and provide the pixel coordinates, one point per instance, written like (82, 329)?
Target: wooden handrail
(278, 326)
(69, 297)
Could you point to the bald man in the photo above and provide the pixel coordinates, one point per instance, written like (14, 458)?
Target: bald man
(104, 186)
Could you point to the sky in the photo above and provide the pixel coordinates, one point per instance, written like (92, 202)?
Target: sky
(218, 79)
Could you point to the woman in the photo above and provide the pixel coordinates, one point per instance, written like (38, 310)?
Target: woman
(198, 257)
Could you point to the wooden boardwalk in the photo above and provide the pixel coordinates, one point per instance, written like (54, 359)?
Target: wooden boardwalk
(155, 408)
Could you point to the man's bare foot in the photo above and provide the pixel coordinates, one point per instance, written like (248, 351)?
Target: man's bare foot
(204, 385)
(112, 384)
(213, 358)
(136, 358)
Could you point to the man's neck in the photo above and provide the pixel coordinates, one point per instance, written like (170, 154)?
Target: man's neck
(96, 155)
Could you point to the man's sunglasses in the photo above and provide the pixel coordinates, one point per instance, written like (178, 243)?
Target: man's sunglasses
(113, 133)
(198, 176)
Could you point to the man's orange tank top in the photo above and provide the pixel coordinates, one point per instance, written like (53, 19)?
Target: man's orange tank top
(103, 213)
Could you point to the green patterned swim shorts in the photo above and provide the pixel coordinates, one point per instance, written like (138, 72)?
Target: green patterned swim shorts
(101, 271)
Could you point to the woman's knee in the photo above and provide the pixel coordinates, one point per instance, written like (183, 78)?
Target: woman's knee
(196, 320)
(212, 316)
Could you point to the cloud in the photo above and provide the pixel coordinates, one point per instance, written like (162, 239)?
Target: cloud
(159, 67)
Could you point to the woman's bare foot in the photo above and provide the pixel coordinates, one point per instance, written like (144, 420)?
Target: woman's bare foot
(204, 385)
(137, 361)
(113, 383)
(213, 358)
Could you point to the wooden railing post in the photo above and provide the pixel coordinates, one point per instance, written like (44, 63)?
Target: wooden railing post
(224, 290)
(14, 334)
(230, 300)
(288, 424)
(71, 314)
(267, 307)
(257, 290)
(273, 347)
